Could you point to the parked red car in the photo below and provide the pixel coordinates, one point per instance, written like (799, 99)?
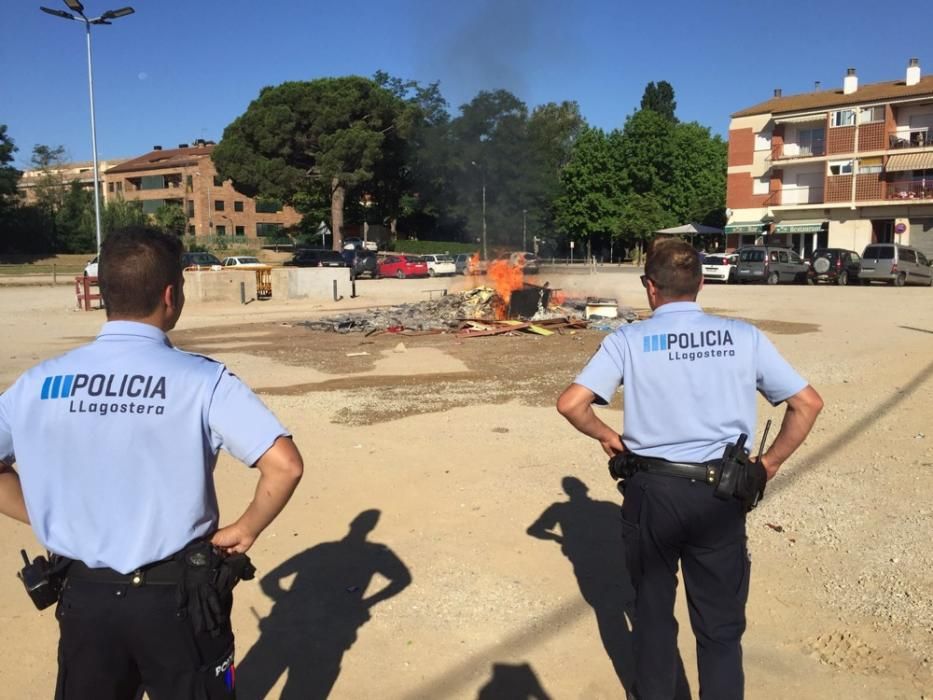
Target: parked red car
(402, 266)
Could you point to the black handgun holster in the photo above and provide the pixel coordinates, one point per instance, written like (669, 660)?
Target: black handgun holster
(207, 584)
(740, 477)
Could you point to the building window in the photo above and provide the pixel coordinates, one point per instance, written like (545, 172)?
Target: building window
(871, 114)
(763, 140)
(152, 182)
(119, 187)
(867, 166)
(110, 187)
(268, 206)
(840, 167)
(843, 117)
(268, 230)
(238, 206)
(239, 230)
(218, 182)
(812, 142)
(151, 206)
(191, 230)
(189, 182)
(218, 205)
(220, 230)
(761, 185)
(189, 208)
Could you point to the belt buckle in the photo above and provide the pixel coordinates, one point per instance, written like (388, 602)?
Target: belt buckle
(137, 578)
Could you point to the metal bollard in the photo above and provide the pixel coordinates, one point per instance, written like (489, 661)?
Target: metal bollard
(336, 298)
(242, 292)
(353, 287)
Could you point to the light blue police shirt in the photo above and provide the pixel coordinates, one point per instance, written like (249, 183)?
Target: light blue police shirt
(689, 381)
(116, 443)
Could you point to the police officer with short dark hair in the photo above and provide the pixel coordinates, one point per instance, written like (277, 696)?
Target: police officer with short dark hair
(115, 444)
(689, 391)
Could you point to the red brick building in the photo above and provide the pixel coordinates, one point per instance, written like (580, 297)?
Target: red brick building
(841, 168)
(186, 176)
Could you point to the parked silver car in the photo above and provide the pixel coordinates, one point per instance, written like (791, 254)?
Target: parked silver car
(760, 263)
(895, 264)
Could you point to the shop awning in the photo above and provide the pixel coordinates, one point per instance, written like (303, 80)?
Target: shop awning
(744, 227)
(821, 117)
(814, 226)
(909, 161)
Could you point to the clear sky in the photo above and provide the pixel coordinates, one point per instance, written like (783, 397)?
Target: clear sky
(179, 70)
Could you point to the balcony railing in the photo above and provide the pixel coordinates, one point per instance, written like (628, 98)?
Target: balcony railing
(801, 195)
(915, 138)
(910, 189)
(802, 151)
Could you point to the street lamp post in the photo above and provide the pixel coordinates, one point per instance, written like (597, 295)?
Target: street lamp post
(483, 172)
(77, 7)
(524, 213)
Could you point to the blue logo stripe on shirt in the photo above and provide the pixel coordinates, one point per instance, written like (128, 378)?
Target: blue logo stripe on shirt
(647, 344)
(663, 342)
(45, 388)
(66, 385)
(56, 386)
(655, 345)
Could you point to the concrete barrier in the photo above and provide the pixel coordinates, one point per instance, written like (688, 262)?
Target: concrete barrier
(310, 282)
(219, 285)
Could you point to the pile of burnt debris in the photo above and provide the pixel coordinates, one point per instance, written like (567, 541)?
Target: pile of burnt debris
(483, 312)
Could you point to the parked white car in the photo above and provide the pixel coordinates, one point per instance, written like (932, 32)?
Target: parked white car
(90, 270)
(720, 267)
(241, 261)
(440, 265)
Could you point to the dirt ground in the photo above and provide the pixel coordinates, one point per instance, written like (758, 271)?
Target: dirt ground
(430, 459)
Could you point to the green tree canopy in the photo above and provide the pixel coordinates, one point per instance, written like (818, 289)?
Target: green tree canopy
(591, 203)
(660, 98)
(75, 221)
(9, 176)
(170, 218)
(307, 143)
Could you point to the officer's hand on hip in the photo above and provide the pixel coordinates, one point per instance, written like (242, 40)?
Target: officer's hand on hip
(770, 470)
(613, 445)
(233, 539)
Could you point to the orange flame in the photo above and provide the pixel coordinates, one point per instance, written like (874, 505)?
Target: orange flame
(505, 278)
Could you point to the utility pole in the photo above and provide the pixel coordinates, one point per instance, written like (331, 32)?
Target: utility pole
(524, 213)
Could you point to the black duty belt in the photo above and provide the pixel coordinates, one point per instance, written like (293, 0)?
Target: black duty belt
(695, 471)
(161, 573)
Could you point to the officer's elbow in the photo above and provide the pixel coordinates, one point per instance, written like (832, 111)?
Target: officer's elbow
(566, 406)
(283, 461)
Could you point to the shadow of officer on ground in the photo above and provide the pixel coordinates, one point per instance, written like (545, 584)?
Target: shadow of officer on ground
(314, 622)
(590, 537)
(513, 682)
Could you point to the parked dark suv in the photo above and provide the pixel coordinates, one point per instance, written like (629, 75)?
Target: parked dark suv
(314, 257)
(362, 262)
(834, 265)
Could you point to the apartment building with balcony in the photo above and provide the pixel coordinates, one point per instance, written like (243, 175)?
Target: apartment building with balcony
(186, 176)
(63, 176)
(840, 168)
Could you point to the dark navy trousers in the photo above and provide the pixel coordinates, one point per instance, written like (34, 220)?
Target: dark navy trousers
(667, 521)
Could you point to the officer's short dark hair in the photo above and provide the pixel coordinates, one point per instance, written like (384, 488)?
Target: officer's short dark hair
(674, 267)
(136, 265)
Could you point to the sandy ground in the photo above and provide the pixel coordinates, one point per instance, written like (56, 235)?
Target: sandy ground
(445, 452)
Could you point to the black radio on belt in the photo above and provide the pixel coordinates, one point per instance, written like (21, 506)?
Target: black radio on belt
(43, 583)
